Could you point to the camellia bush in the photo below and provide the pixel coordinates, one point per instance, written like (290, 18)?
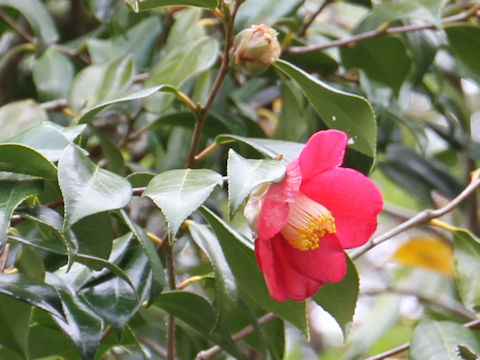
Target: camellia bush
(242, 179)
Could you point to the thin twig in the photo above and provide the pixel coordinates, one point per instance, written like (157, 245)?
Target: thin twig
(222, 72)
(424, 216)
(452, 306)
(4, 257)
(26, 36)
(57, 104)
(313, 17)
(172, 285)
(473, 11)
(215, 350)
(385, 355)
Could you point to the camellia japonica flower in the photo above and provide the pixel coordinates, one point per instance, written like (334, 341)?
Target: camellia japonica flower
(306, 221)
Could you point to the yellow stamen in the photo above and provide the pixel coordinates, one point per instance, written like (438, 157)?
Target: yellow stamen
(307, 223)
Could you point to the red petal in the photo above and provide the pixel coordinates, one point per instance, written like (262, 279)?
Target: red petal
(283, 281)
(276, 202)
(353, 199)
(325, 264)
(323, 151)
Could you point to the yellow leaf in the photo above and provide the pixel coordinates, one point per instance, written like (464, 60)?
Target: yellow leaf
(427, 252)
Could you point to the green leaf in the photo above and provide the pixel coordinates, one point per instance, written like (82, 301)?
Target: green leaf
(464, 40)
(23, 159)
(180, 192)
(133, 95)
(111, 152)
(244, 175)
(151, 252)
(377, 57)
(467, 265)
(53, 75)
(239, 253)
(38, 17)
(33, 292)
(274, 149)
(337, 109)
(139, 5)
(226, 289)
(88, 189)
(340, 299)
(19, 116)
(12, 194)
(14, 324)
(98, 83)
(114, 299)
(438, 340)
(264, 12)
(81, 324)
(48, 138)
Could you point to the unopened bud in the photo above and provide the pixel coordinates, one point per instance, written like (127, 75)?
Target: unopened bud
(255, 49)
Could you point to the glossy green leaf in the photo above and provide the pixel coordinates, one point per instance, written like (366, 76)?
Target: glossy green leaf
(114, 299)
(439, 340)
(103, 10)
(12, 194)
(48, 138)
(94, 234)
(377, 57)
(81, 324)
(158, 282)
(139, 5)
(23, 159)
(133, 95)
(139, 40)
(264, 12)
(111, 152)
(19, 116)
(88, 189)
(274, 149)
(467, 264)
(38, 17)
(14, 324)
(340, 299)
(226, 289)
(464, 40)
(178, 193)
(239, 253)
(53, 75)
(244, 175)
(98, 83)
(337, 109)
(33, 292)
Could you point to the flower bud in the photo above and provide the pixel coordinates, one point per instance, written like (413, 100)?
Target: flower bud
(255, 49)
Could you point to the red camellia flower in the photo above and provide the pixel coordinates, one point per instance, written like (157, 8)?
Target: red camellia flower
(307, 220)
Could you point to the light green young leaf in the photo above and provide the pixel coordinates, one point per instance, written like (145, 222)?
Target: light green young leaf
(439, 340)
(138, 5)
(12, 193)
(178, 193)
(337, 109)
(88, 189)
(239, 254)
(340, 299)
(19, 116)
(244, 175)
(38, 17)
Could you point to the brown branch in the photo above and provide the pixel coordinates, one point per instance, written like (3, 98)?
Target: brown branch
(222, 72)
(153, 346)
(215, 350)
(57, 104)
(473, 11)
(26, 36)
(424, 216)
(312, 18)
(4, 257)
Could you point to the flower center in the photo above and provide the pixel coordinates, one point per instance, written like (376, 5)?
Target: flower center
(307, 223)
